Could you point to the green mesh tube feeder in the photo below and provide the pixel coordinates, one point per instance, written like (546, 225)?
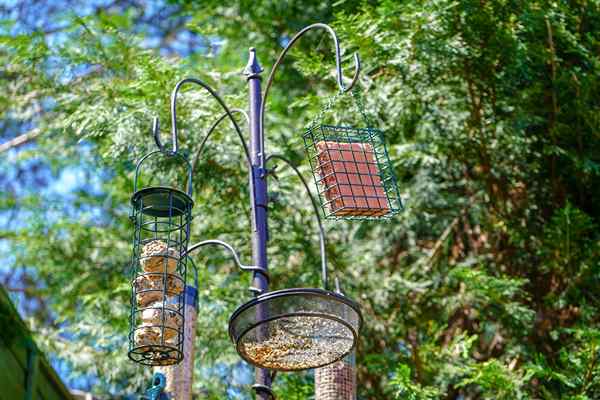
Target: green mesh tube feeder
(161, 216)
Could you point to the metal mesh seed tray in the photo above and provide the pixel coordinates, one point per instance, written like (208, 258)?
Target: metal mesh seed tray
(295, 329)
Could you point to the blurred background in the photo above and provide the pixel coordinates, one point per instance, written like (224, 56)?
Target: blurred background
(484, 287)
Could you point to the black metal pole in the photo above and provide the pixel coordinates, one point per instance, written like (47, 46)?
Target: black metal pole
(258, 183)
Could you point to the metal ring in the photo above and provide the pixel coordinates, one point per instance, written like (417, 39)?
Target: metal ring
(299, 314)
(312, 291)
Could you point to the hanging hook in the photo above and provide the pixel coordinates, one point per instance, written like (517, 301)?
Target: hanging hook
(214, 94)
(338, 59)
(156, 135)
(338, 67)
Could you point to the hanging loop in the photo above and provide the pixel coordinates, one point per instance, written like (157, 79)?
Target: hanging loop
(360, 105)
(318, 119)
(178, 156)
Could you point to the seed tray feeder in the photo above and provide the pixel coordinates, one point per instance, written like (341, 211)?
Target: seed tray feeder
(161, 216)
(295, 329)
(352, 170)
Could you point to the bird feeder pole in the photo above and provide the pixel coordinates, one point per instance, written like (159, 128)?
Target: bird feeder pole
(259, 201)
(283, 330)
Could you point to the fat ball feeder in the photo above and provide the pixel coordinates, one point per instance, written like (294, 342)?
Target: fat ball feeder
(161, 216)
(284, 330)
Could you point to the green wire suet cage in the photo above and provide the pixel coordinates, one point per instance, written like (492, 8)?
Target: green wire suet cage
(351, 169)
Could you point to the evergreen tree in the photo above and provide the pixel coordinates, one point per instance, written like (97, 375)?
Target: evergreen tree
(482, 288)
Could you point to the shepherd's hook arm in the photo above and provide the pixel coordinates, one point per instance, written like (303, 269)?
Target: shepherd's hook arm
(338, 65)
(211, 131)
(236, 258)
(174, 130)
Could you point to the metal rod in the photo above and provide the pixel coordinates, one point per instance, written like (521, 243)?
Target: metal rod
(259, 200)
(338, 66)
(219, 100)
(322, 243)
(228, 113)
(236, 258)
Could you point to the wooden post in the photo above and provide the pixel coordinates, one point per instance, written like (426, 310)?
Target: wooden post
(337, 381)
(180, 377)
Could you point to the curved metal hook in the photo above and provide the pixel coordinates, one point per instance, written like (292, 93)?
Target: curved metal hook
(156, 134)
(243, 142)
(317, 214)
(338, 64)
(250, 268)
(219, 100)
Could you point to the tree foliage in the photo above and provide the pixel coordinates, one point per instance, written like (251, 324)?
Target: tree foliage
(483, 288)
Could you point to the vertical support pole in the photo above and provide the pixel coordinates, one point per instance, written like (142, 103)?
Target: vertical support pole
(180, 377)
(258, 186)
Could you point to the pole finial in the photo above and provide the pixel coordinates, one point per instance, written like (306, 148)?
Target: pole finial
(253, 67)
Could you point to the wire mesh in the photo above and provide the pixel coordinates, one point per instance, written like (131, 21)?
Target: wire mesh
(337, 381)
(352, 172)
(162, 218)
(295, 329)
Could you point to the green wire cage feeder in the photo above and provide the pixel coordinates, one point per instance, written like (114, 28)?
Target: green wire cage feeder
(351, 169)
(161, 215)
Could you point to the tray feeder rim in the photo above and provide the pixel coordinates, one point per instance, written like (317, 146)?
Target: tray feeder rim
(293, 292)
(298, 314)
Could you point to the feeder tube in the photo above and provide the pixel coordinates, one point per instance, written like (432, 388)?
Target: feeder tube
(180, 377)
(337, 381)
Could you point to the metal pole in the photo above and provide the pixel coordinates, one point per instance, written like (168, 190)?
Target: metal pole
(258, 186)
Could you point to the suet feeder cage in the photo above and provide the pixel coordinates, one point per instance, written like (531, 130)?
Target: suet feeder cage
(295, 329)
(161, 216)
(352, 170)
